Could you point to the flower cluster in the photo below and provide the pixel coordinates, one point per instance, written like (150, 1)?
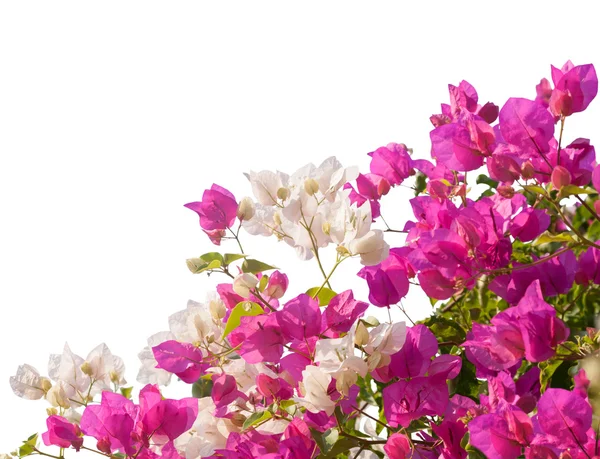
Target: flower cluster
(503, 242)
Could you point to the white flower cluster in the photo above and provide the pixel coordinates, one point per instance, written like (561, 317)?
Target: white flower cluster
(310, 210)
(72, 381)
(199, 324)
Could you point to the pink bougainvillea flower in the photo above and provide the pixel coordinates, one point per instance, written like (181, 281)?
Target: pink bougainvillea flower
(589, 267)
(392, 162)
(217, 210)
(260, 337)
(398, 446)
(501, 434)
(277, 285)
(62, 433)
(527, 125)
(388, 281)
(342, 311)
(451, 145)
(574, 88)
(300, 318)
(529, 224)
(415, 356)
(183, 359)
(565, 416)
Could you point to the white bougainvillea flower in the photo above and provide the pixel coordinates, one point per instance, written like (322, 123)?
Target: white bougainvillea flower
(266, 184)
(28, 383)
(386, 338)
(104, 368)
(148, 373)
(314, 385)
(66, 367)
(372, 248)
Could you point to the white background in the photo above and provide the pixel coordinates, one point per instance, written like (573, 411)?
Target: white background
(114, 114)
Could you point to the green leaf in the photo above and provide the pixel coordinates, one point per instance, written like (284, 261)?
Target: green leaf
(446, 329)
(343, 445)
(28, 446)
(213, 256)
(262, 285)
(547, 370)
(256, 418)
(231, 257)
(547, 237)
(126, 392)
(242, 309)
(325, 440)
(202, 388)
(487, 181)
(254, 266)
(325, 295)
(420, 183)
(535, 189)
(198, 265)
(571, 190)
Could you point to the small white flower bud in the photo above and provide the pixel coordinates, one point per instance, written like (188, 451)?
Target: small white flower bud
(283, 193)
(217, 309)
(243, 283)
(311, 186)
(361, 337)
(245, 209)
(87, 369)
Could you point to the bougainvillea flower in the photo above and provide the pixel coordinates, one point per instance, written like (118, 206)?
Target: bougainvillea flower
(503, 433)
(388, 281)
(183, 359)
(217, 210)
(574, 88)
(392, 162)
(398, 446)
(62, 433)
(527, 125)
(529, 224)
(300, 318)
(342, 311)
(260, 337)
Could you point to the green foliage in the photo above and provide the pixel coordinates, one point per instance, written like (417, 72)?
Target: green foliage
(242, 309)
(254, 266)
(29, 446)
(325, 295)
(202, 388)
(257, 418)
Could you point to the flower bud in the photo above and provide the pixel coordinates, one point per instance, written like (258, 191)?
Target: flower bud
(114, 377)
(527, 170)
(506, 191)
(103, 445)
(342, 250)
(283, 193)
(87, 369)
(238, 419)
(371, 248)
(243, 283)
(345, 380)
(245, 209)
(277, 286)
(195, 264)
(51, 411)
(217, 309)
(46, 384)
(373, 360)
(560, 177)
(326, 227)
(361, 337)
(277, 218)
(56, 396)
(311, 186)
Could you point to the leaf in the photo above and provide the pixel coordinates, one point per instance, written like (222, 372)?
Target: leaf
(547, 370)
(571, 190)
(202, 388)
(343, 445)
(254, 266)
(420, 183)
(486, 180)
(28, 446)
(325, 440)
(212, 256)
(231, 257)
(126, 392)
(242, 309)
(535, 189)
(262, 285)
(198, 265)
(325, 295)
(256, 418)
(547, 237)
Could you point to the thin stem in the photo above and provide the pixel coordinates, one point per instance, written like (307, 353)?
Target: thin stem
(237, 237)
(587, 206)
(562, 126)
(327, 277)
(257, 294)
(41, 453)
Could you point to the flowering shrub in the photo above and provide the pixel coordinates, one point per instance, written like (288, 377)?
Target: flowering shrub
(507, 366)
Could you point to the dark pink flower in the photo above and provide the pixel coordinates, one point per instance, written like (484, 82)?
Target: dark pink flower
(392, 162)
(527, 125)
(342, 312)
(183, 359)
(300, 318)
(260, 337)
(62, 433)
(388, 281)
(575, 87)
(529, 224)
(398, 446)
(217, 210)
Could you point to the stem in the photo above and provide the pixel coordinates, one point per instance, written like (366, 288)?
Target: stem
(41, 453)
(257, 294)
(383, 424)
(562, 125)
(586, 205)
(237, 237)
(327, 277)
